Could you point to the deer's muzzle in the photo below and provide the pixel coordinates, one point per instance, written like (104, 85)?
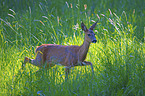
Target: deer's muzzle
(94, 41)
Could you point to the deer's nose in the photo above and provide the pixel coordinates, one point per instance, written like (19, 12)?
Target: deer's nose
(94, 41)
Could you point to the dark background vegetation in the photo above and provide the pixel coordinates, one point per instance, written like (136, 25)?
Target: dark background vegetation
(134, 9)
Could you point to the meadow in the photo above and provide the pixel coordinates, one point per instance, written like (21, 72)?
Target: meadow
(118, 56)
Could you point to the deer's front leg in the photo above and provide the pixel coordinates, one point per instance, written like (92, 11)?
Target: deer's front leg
(67, 70)
(88, 63)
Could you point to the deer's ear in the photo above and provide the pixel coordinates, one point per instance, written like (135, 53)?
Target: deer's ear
(84, 27)
(93, 26)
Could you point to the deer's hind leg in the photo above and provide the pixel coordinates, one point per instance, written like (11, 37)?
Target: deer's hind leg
(37, 61)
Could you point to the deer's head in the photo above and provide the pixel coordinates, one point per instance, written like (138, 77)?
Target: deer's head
(89, 34)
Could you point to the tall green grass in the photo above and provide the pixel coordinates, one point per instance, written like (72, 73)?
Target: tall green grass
(117, 57)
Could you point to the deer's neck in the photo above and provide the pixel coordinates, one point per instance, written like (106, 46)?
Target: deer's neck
(83, 50)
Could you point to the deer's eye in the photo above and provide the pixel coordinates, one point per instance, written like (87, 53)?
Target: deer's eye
(89, 34)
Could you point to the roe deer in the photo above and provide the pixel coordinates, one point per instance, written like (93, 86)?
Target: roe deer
(69, 56)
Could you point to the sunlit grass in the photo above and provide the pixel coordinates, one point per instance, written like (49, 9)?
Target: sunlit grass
(117, 57)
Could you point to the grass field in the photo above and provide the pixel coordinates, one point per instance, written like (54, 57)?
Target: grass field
(118, 57)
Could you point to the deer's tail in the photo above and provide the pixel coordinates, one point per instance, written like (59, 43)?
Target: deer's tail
(38, 49)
